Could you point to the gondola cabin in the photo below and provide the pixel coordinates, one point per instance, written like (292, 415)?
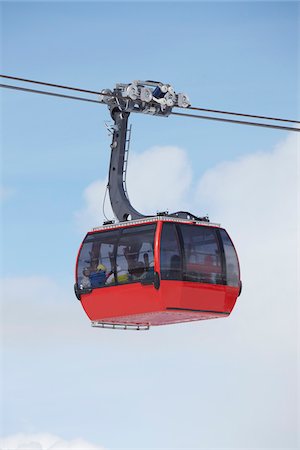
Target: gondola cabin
(156, 271)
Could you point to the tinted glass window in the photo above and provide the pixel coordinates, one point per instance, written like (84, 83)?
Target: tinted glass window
(135, 254)
(232, 265)
(96, 259)
(202, 254)
(83, 264)
(170, 255)
(117, 256)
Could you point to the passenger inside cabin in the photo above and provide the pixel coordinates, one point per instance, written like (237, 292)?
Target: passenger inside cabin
(122, 276)
(85, 280)
(98, 276)
(138, 271)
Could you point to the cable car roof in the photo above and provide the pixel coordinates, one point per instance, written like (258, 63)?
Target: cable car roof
(154, 219)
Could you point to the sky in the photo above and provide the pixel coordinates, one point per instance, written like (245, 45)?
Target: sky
(215, 384)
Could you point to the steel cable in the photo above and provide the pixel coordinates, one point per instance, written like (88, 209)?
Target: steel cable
(8, 86)
(195, 116)
(217, 111)
(240, 122)
(194, 108)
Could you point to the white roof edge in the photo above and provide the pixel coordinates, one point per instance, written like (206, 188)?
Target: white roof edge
(154, 219)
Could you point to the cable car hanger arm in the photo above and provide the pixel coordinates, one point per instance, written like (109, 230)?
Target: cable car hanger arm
(146, 97)
(120, 203)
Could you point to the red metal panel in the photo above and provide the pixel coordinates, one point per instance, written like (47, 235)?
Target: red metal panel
(187, 301)
(209, 297)
(171, 293)
(232, 294)
(198, 296)
(121, 300)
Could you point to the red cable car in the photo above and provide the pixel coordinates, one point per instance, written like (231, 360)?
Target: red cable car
(157, 270)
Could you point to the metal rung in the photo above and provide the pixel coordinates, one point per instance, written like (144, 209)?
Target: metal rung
(127, 141)
(120, 326)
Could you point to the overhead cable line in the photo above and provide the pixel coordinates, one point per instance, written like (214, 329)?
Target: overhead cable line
(241, 114)
(194, 108)
(8, 86)
(195, 116)
(25, 80)
(241, 122)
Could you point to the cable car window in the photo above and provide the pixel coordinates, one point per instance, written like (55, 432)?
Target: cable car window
(170, 255)
(96, 259)
(135, 254)
(82, 268)
(203, 262)
(117, 256)
(232, 265)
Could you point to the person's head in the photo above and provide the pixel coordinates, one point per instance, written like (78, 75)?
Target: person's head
(138, 269)
(101, 268)
(94, 263)
(86, 272)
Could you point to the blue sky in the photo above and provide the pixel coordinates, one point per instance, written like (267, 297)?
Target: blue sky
(172, 387)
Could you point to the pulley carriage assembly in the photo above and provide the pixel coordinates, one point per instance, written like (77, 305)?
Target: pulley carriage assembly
(147, 97)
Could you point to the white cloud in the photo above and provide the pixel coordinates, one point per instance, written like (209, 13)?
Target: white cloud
(259, 187)
(158, 179)
(252, 188)
(44, 441)
(91, 214)
(255, 198)
(34, 306)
